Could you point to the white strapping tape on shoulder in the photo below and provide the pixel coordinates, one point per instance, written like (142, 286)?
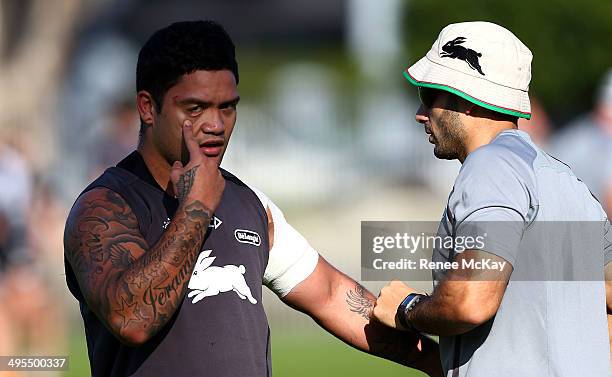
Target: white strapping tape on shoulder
(292, 259)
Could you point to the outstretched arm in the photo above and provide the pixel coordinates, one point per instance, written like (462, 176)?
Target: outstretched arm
(344, 308)
(465, 299)
(135, 288)
(307, 282)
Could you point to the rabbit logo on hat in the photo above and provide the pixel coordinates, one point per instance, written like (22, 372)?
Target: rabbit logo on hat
(207, 280)
(464, 52)
(452, 49)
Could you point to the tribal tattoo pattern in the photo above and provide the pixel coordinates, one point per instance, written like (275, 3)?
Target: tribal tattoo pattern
(185, 181)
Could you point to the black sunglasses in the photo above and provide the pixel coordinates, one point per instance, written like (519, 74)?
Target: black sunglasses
(428, 96)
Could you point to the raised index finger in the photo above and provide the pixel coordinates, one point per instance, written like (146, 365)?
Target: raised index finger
(190, 141)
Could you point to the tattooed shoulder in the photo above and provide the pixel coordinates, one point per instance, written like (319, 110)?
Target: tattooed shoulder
(98, 231)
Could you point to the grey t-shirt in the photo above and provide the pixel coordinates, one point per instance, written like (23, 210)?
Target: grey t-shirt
(542, 220)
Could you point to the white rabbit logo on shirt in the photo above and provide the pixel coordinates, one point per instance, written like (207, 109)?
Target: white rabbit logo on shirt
(207, 280)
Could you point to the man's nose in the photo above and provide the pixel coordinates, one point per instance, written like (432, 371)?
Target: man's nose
(212, 123)
(422, 115)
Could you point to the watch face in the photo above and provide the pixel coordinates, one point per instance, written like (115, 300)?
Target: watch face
(413, 302)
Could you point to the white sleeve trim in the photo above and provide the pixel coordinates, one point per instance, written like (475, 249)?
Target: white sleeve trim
(291, 259)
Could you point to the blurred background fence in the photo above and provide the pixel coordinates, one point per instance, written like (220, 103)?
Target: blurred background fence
(325, 127)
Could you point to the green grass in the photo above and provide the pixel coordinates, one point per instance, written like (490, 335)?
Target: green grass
(305, 355)
(323, 355)
(79, 363)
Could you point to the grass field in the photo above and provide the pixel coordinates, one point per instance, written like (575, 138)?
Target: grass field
(296, 356)
(323, 355)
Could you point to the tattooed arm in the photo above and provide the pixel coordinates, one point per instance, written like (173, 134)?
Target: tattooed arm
(135, 288)
(305, 281)
(344, 308)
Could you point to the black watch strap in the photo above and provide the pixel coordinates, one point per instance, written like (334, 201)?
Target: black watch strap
(404, 307)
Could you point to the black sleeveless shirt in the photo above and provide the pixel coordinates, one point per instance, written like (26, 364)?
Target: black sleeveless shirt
(220, 329)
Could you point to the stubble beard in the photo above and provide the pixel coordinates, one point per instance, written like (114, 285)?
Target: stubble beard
(450, 136)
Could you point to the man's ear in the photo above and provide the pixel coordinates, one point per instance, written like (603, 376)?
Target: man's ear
(146, 107)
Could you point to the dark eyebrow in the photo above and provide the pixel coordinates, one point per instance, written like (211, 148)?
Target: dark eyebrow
(193, 100)
(232, 102)
(205, 104)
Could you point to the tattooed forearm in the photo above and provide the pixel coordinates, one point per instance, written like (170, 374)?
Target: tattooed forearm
(358, 301)
(159, 277)
(407, 348)
(132, 287)
(185, 182)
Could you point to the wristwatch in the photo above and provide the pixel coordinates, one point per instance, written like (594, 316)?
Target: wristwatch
(407, 305)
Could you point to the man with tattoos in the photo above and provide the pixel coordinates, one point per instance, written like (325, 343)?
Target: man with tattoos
(167, 253)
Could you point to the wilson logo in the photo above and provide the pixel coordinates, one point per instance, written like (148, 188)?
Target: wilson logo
(247, 236)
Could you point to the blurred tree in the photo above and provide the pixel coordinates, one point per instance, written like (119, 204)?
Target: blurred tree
(35, 36)
(570, 41)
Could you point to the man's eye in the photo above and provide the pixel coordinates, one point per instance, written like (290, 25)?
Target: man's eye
(229, 109)
(194, 109)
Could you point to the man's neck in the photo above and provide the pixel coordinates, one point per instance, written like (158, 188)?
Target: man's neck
(483, 133)
(157, 165)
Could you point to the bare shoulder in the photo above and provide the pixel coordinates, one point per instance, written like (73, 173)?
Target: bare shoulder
(99, 217)
(100, 201)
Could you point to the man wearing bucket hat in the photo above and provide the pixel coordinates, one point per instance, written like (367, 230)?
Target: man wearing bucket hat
(532, 309)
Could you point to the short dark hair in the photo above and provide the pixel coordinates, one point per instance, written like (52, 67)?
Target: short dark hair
(179, 49)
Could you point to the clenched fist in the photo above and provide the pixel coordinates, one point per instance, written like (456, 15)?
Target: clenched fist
(390, 297)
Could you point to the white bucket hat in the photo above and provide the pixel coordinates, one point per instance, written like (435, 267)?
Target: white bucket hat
(481, 62)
